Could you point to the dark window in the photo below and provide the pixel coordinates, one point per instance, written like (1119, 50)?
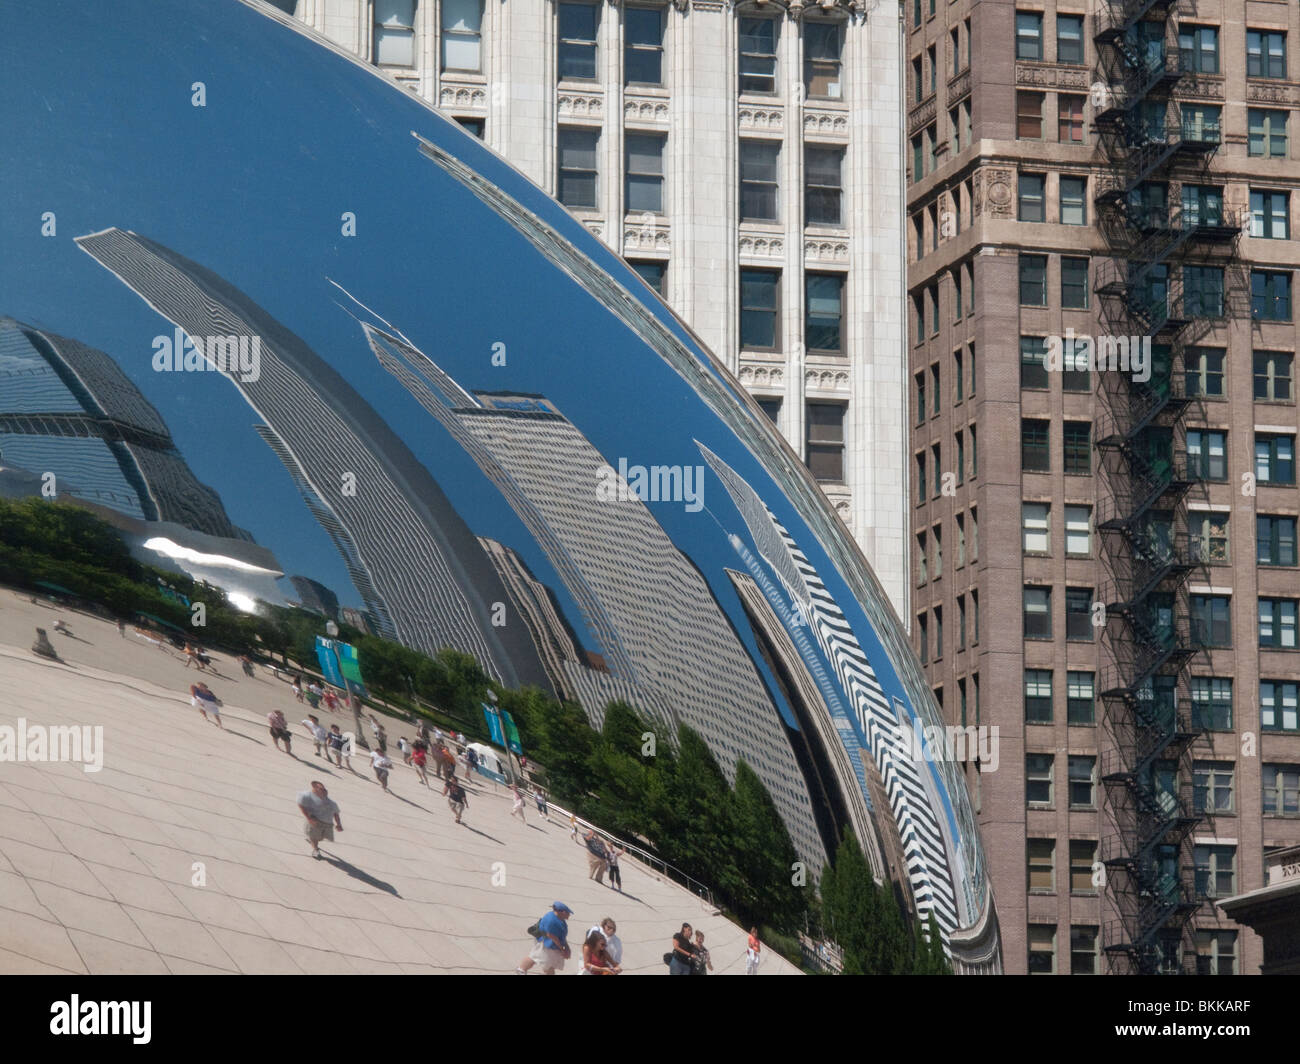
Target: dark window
(758, 55)
(923, 638)
(1080, 695)
(1202, 205)
(1077, 448)
(1216, 871)
(1038, 779)
(824, 311)
(822, 185)
(645, 172)
(653, 273)
(1199, 49)
(1035, 450)
(1265, 54)
(1212, 620)
(1029, 115)
(1207, 454)
(1274, 458)
(1212, 786)
(826, 441)
(643, 49)
(920, 478)
(1281, 790)
(1273, 375)
(1038, 612)
(1038, 696)
(821, 60)
(473, 126)
(758, 308)
(1078, 614)
(1033, 280)
(1212, 702)
(1083, 773)
(1275, 540)
(1203, 291)
(577, 157)
(771, 406)
(1074, 283)
(759, 183)
(1267, 133)
(920, 397)
(1069, 116)
(1204, 372)
(1069, 39)
(577, 31)
(1270, 295)
(1031, 198)
(1033, 367)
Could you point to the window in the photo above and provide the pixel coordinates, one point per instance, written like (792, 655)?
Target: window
(934, 330)
(643, 46)
(822, 185)
(1078, 531)
(758, 55)
(970, 41)
(1038, 779)
(1042, 949)
(1209, 537)
(1216, 871)
(1203, 291)
(954, 126)
(1069, 39)
(1203, 367)
(1270, 295)
(1083, 855)
(577, 33)
(1268, 214)
(1038, 612)
(1078, 447)
(1035, 451)
(1207, 454)
(931, 142)
(1275, 540)
(1281, 790)
(1074, 283)
(937, 459)
(826, 442)
(934, 67)
(916, 12)
(956, 293)
(759, 291)
(954, 49)
(1033, 364)
(395, 32)
(473, 126)
(1029, 35)
(1212, 702)
(577, 157)
(1202, 205)
(1038, 696)
(824, 301)
(1199, 49)
(1031, 198)
(958, 376)
(1274, 458)
(821, 60)
(1035, 518)
(1278, 705)
(1069, 114)
(920, 478)
(961, 638)
(1200, 123)
(1267, 133)
(1042, 865)
(1078, 613)
(462, 29)
(1083, 778)
(975, 548)
(1212, 786)
(1211, 621)
(653, 273)
(1080, 698)
(918, 164)
(923, 638)
(920, 397)
(922, 568)
(975, 634)
(1265, 54)
(960, 464)
(1074, 200)
(1033, 283)
(1029, 115)
(938, 638)
(1216, 952)
(934, 390)
(974, 452)
(1273, 375)
(645, 172)
(759, 187)
(771, 406)
(1277, 623)
(1075, 375)
(918, 80)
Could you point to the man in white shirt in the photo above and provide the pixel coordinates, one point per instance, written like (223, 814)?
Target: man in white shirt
(319, 809)
(380, 763)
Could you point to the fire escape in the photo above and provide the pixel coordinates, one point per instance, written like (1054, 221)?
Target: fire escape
(1149, 144)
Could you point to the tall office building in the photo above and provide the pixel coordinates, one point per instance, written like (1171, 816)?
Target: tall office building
(68, 409)
(746, 158)
(378, 504)
(1119, 589)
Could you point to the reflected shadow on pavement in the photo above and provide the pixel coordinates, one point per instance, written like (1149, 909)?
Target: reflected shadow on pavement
(356, 873)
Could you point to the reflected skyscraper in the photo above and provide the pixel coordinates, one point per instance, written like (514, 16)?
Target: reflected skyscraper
(417, 566)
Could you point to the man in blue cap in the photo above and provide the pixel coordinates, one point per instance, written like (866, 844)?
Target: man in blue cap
(552, 946)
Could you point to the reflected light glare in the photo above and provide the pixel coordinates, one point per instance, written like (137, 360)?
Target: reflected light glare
(242, 602)
(166, 547)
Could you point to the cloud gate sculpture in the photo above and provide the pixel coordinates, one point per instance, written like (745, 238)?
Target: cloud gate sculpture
(297, 335)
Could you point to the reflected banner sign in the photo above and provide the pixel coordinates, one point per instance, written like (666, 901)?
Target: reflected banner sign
(416, 396)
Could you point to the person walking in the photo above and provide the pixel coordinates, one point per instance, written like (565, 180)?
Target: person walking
(612, 854)
(206, 702)
(551, 945)
(418, 759)
(279, 730)
(539, 796)
(456, 799)
(318, 734)
(596, 857)
(573, 826)
(337, 744)
(518, 810)
(380, 763)
(753, 955)
(297, 688)
(683, 955)
(700, 964)
(121, 627)
(319, 808)
(405, 748)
